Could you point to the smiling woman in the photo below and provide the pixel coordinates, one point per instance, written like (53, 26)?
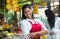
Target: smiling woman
(31, 27)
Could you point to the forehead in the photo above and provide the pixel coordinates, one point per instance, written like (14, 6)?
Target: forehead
(27, 9)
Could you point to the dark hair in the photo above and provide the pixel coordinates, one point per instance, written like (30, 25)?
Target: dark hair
(24, 7)
(51, 17)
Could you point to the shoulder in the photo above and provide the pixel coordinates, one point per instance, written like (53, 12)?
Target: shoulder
(22, 21)
(37, 20)
(57, 18)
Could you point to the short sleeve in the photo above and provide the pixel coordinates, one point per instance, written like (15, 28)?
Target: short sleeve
(24, 27)
(57, 27)
(59, 22)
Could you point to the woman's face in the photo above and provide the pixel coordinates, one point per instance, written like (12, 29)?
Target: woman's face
(28, 13)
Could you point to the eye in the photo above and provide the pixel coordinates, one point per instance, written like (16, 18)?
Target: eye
(25, 12)
(28, 10)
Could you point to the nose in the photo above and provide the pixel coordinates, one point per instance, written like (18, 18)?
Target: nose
(27, 13)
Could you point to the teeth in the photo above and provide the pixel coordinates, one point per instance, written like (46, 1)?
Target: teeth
(28, 15)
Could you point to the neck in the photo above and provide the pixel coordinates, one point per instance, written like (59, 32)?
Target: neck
(30, 18)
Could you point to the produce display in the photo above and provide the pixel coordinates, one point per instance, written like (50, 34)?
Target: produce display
(35, 9)
(43, 3)
(12, 4)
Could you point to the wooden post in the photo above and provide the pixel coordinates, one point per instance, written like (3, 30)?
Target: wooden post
(48, 4)
(53, 5)
(59, 9)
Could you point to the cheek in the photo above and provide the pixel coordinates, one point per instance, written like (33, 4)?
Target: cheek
(31, 12)
(25, 15)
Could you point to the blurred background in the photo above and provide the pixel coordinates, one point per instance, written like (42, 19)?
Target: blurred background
(11, 10)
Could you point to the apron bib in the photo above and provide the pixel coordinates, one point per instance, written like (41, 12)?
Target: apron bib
(35, 28)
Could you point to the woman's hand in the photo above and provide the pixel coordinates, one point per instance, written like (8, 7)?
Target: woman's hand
(33, 35)
(51, 33)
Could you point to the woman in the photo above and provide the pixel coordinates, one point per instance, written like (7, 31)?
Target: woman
(31, 27)
(53, 25)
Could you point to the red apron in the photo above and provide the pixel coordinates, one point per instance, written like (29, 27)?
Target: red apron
(35, 28)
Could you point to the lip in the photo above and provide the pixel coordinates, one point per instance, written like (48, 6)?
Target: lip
(28, 14)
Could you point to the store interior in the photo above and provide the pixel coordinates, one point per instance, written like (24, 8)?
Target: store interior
(11, 14)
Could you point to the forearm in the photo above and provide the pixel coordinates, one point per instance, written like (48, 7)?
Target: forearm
(57, 30)
(38, 34)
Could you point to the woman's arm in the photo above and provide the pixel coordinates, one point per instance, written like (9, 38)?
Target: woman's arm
(25, 27)
(39, 33)
(56, 28)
